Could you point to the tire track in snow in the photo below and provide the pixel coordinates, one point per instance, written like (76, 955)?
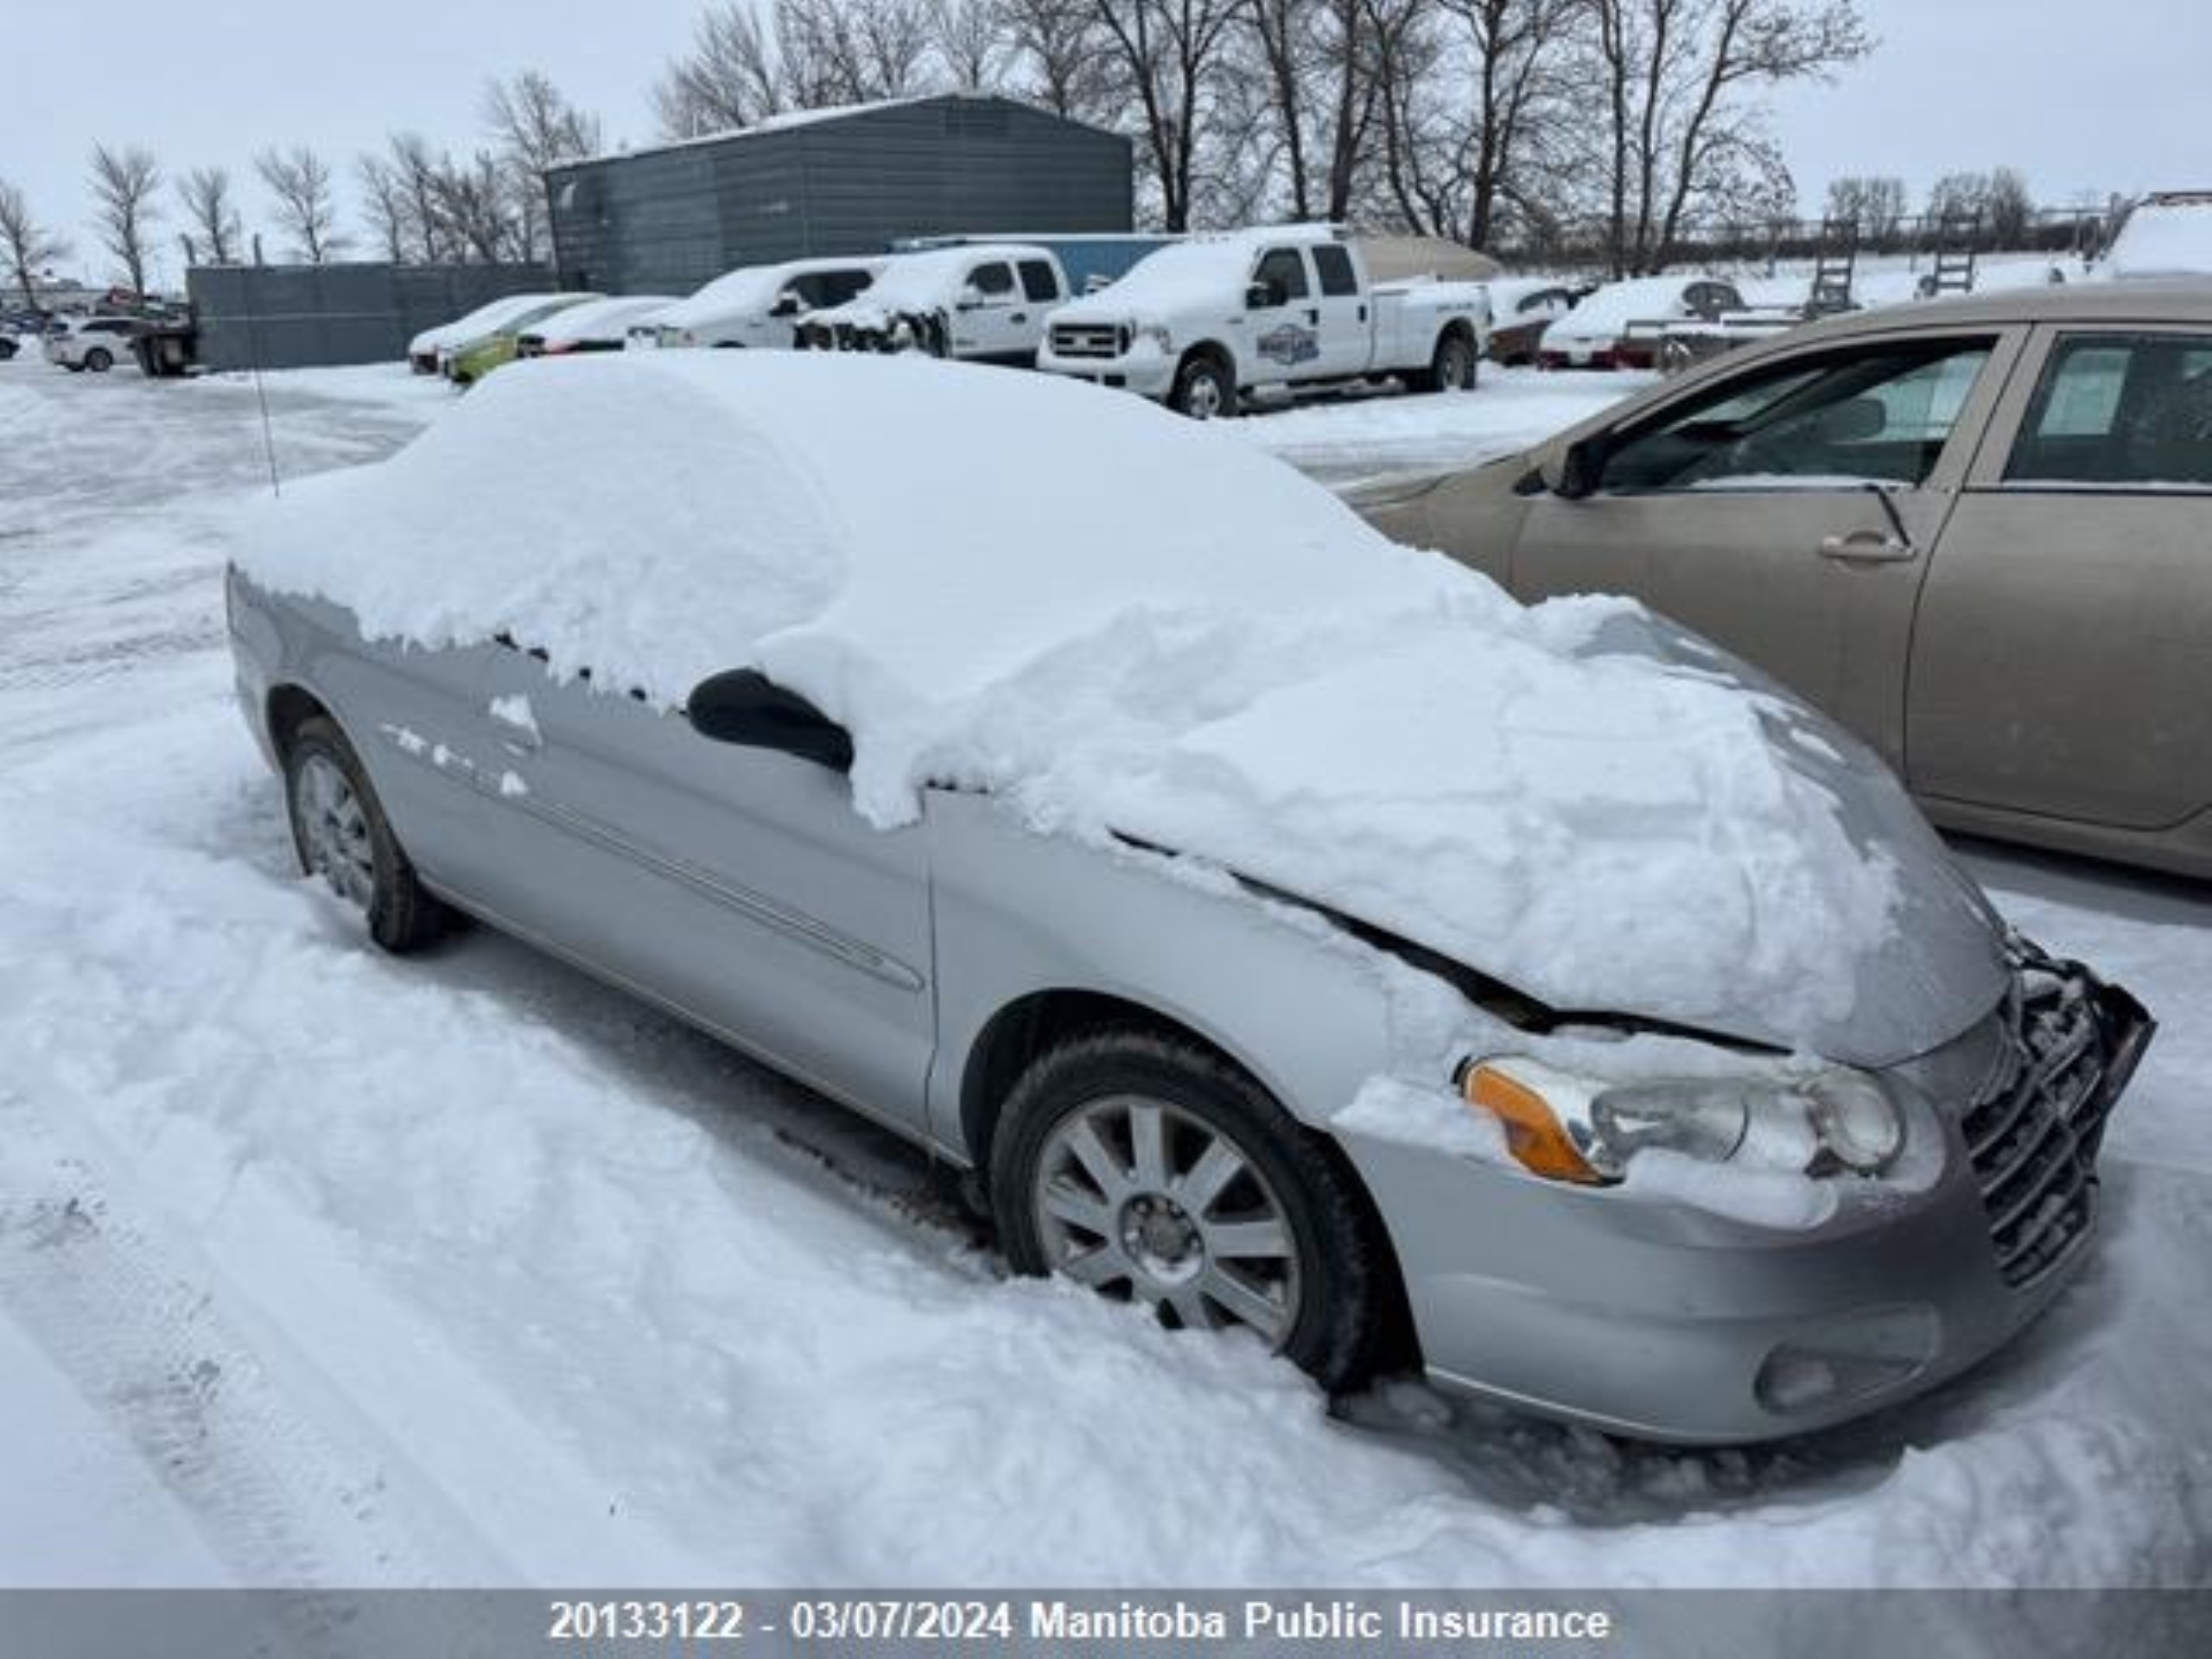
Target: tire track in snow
(279, 1499)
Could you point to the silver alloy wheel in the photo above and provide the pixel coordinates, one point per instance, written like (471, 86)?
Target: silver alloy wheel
(1135, 1194)
(1202, 399)
(334, 830)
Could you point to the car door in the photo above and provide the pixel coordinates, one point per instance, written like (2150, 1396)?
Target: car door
(1786, 512)
(735, 884)
(1283, 334)
(984, 329)
(1342, 313)
(2062, 664)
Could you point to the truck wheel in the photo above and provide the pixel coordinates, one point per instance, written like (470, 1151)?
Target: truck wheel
(1204, 389)
(99, 361)
(1452, 368)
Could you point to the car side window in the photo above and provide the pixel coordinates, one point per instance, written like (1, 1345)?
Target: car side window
(1282, 271)
(993, 282)
(1332, 264)
(2119, 411)
(838, 286)
(1038, 280)
(1876, 414)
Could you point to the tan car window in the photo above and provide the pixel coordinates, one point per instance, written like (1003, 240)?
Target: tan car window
(2119, 411)
(1878, 414)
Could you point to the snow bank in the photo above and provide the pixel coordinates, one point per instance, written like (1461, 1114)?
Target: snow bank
(1226, 661)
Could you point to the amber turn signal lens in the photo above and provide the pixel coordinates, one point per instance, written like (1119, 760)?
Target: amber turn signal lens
(1533, 1132)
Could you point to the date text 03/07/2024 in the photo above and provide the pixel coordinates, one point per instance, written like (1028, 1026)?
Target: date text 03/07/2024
(895, 1618)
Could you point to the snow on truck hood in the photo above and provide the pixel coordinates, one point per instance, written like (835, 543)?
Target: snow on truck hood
(1121, 621)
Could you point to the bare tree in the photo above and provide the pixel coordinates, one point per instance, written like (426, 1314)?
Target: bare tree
(731, 77)
(300, 180)
(472, 201)
(217, 231)
(418, 171)
(1674, 128)
(1054, 45)
(1166, 56)
(853, 51)
(536, 128)
(29, 246)
(1875, 205)
(384, 205)
(124, 182)
(972, 41)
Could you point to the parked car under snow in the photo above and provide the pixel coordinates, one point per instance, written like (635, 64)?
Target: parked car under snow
(1288, 929)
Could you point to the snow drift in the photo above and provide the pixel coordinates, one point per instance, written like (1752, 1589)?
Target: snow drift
(1121, 622)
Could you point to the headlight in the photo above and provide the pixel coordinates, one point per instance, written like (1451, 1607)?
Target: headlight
(1157, 334)
(1583, 1129)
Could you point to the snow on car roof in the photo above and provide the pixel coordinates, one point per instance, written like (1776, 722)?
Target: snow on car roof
(1122, 621)
(600, 319)
(754, 287)
(920, 279)
(1642, 299)
(483, 320)
(2163, 238)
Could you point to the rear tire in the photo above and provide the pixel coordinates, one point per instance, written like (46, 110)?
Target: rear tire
(1453, 367)
(340, 833)
(1149, 1167)
(99, 359)
(1204, 389)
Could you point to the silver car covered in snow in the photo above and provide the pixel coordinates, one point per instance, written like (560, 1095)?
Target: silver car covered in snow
(1545, 1156)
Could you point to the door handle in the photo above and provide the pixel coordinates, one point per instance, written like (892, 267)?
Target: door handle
(1313, 314)
(1866, 547)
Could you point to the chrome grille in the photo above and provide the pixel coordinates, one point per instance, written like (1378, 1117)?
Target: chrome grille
(1101, 339)
(2033, 1131)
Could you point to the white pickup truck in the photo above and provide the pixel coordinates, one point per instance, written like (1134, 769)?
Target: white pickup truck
(1200, 323)
(760, 306)
(978, 302)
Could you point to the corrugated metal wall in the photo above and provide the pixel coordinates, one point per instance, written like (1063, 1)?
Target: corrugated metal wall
(302, 316)
(668, 219)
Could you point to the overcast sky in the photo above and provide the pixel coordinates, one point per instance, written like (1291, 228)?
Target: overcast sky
(2081, 97)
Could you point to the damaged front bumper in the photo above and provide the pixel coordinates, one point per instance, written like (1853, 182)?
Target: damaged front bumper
(1669, 1323)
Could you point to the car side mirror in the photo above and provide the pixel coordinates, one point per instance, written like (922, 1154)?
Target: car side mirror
(744, 707)
(786, 305)
(971, 298)
(1572, 474)
(1263, 296)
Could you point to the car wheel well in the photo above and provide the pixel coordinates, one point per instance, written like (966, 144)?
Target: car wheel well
(1034, 1025)
(288, 708)
(1207, 351)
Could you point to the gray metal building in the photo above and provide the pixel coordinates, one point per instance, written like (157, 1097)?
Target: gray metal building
(832, 181)
(298, 316)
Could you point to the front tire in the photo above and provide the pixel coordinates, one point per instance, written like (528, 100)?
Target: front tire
(1204, 389)
(99, 359)
(1150, 1169)
(340, 833)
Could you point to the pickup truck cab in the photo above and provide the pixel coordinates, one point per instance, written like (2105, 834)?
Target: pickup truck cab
(983, 302)
(1198, 325)
(759, 306)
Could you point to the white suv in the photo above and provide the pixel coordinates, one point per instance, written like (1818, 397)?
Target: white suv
(97, 343)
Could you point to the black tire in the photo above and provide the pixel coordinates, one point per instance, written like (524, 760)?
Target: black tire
(99, 359)
(1204, 389)
(1453, 366)
(74, 368)
(402, 914)
(1346, 1284)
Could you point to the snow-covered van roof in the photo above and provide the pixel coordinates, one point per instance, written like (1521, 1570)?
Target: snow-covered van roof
(1214, 655)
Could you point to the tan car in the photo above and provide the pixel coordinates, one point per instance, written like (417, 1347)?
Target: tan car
(1978, 531)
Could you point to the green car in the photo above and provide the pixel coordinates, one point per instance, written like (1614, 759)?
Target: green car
(471, 359)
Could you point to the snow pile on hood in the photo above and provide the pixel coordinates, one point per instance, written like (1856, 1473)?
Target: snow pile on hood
(923, 281)
(2163, 238)
(1203, 271)
(602, 320)
(475, 324)
(1603, 315)
(1127, 623)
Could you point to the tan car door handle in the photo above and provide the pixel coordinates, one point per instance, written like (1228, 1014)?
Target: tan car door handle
(1867, 546)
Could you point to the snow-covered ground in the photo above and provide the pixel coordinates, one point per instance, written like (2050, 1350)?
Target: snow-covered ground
(316, 1267)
